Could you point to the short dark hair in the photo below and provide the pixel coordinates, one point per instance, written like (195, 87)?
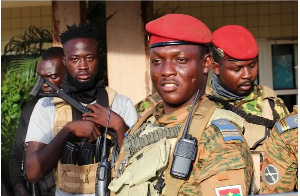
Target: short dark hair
(204, 49)
(53, 52)
(80, 31)
(216, 56)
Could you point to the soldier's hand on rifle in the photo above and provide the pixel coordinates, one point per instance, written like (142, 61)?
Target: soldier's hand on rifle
(99, 116)
(84, 129)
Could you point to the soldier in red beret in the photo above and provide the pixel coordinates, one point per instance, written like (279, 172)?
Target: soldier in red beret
(182, 146)
(235, 67)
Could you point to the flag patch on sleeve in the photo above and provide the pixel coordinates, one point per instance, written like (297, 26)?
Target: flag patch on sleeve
(235, 190)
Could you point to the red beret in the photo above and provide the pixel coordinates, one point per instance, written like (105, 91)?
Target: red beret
(178, 27)
(236, 42)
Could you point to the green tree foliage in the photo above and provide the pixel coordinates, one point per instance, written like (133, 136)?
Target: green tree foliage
(19, 62)
(18, 71)
(30, 43)
(19, 80)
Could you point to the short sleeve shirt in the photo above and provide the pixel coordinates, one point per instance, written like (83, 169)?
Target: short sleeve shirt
(41, 123)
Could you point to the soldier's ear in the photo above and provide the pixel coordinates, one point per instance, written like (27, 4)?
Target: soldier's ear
(208, 60)
(216, 68)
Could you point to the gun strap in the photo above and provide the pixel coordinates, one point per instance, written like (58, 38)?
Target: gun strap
(251, 118)
(86, 154)
(101, 99)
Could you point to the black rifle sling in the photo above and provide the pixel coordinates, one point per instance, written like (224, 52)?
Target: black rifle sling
(88, 150)
(251, 118)
(275, 113)
(101, 99)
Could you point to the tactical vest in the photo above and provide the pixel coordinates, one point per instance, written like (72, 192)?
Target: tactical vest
(256, 135)
(142, 167)
(68, 177)
(255, 140)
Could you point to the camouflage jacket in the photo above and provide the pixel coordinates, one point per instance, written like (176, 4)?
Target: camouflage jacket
(218, 162)
(147, 103)
(217, 156)
(253, 103)
(280, 166)
(280, 150)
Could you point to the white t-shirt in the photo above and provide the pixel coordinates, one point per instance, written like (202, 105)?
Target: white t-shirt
(41, 123)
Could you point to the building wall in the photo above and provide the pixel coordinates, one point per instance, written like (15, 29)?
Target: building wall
(268, 21)
(17, 17)
(128, 65)
(265, 19)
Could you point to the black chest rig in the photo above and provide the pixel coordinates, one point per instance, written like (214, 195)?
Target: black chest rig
(78, 151)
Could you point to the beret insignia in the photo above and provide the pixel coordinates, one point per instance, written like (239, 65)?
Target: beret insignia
(220, 52)
(236, 41)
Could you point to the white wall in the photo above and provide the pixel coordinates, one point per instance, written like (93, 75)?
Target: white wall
(127, 64)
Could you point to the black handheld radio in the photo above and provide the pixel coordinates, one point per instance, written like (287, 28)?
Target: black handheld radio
(103, 170)
(185, 150)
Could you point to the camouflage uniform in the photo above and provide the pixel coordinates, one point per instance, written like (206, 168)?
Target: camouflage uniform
(147, 103)
(282, 148)
(253, 103)
(215, 152)
(280, 165)
(216, 163)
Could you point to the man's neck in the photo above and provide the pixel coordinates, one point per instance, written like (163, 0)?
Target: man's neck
(222, 92)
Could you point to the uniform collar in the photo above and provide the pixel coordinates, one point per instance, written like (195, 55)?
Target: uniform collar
(171, 119)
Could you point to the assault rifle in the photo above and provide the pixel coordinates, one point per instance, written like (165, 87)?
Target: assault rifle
(58, 93)
(103, 171)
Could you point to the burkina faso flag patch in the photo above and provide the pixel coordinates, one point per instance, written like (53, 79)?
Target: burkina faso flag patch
(235, 190)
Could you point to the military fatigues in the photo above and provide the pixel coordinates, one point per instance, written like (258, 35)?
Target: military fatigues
(253, 103)
(280, 165)
(222, 155)
(282, 145)
(215, 152)
(146, 103)
(261, 109)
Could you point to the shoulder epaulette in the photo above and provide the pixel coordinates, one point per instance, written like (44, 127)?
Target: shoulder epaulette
(287, 123)
(231, 116)
(268, 93)
(228, 129)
